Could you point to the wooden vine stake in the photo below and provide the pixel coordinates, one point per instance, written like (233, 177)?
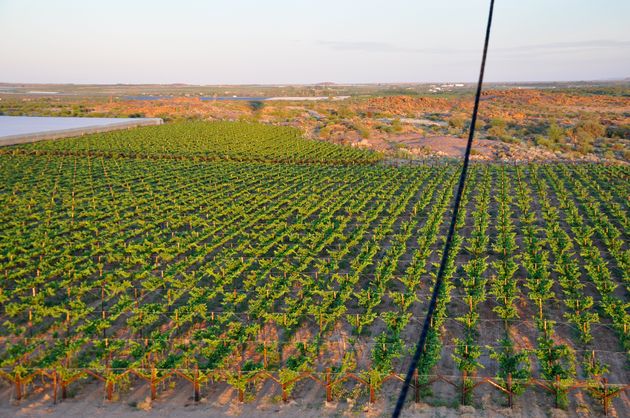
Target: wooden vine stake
(265, 354)
(64, 383)
(509, 391)
(64, 390)
(18, 387)
(54, 378)
(196, 384)
(285, 396)
(606, 400)
(153, 384)
(328, 386)
(416, 386)
(109, 388)
(241, 392)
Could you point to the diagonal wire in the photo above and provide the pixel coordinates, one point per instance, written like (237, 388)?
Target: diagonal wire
(449, 239)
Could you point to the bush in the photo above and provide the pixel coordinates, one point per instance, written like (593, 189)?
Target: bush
(592, 127)
(622, 131)
(584, 142)
(555, 133)
(497, 129)
(396, 125)
(363, 130)
(457, 122)
(541, 141)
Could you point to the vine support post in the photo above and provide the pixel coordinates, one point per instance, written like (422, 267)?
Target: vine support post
(196, 384)
(606, 399)
(285, 397)
(372, 394)
(557, 390)
(463, 396)
(241, 392)
(54, 378)
(416, 386)
(509, 389)
(64, 384)
(265, 354)
(328, 386)
(64, 390)
(18, 387)
(153, 385)
(109, 389)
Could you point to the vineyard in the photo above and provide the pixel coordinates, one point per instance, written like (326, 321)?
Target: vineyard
(215, 141)
(232, 254)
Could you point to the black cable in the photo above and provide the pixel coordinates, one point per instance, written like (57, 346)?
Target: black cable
(447, 247)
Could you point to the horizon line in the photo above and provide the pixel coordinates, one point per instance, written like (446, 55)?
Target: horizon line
(321, 83)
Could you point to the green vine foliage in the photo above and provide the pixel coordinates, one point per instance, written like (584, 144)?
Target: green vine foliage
(514, 364)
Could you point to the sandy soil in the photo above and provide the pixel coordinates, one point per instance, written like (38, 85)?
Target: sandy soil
(444, 146)
(221, 402)
(455, 147)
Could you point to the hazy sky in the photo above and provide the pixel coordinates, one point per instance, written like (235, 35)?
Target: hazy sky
(304, 41)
